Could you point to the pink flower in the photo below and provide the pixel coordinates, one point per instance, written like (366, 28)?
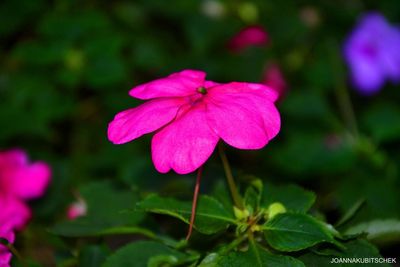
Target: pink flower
(13, 216)
(273, 78)
(190, 115)
(6, 233)
(77, 209)
(19, 181)
(249, 36)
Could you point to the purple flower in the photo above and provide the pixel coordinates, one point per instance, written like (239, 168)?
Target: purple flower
(373, 53)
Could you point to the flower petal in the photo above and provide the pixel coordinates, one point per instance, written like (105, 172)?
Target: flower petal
(390, 54)
(367, 76)
(6, 233)
(241, 87)
(14, 157)
(5, 254)
(31, 181)
(185, 144)
(243, 116)
(182, 83)
(254, 35)
(14, 213)
(148, 117)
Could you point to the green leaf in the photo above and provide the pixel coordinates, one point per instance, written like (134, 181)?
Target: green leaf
(110, 204)
(351, 212)
(211, 260)
(293, 197)
(295, 231)
(383, 122)
(211, 216)
(378, 230)
(87, 226)
(360, 249)
(104, 217)
(138, 254)
(92, 256)
(256, 256)
(221, 193)
(252, 196)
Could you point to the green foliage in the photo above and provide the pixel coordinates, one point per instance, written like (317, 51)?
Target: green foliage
(383, 122)
(383, 231)
(295, 231)
(105, 215)
(294, 198)
(211, 216)
(92, 256)
(284, 232)
(257, 256)
(66, 68)
(354, 249)
(145, 253)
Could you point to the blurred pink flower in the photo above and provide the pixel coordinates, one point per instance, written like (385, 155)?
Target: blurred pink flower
(6, 233)
(190, 115)
(76, 209)
(19, 181)
(273, 78)
(249, 36)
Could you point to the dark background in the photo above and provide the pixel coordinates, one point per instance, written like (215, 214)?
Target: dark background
(67, 66)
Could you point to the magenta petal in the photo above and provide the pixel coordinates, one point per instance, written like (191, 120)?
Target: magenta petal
(182, 83)
(14, 213)
(5, 257)
(250, 36)
(185, 144)
(148, 117)
(241, 87)
(209, 84)
(31, 181)
(245, 119)
(13, 158)
(5, 254)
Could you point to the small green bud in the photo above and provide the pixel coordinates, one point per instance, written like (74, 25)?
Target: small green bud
(241, 214)
(255, 228)
(275, 208)
(257, 183)
(241, 228)
(248, 12)
(74, 60)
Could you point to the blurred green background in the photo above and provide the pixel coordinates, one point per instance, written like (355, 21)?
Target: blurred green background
(67, 66)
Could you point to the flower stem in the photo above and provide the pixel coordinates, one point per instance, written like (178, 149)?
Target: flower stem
(347, 108)
(235, 243)
(194, 203)
(14, 251)
(229, 177)
(342, 92)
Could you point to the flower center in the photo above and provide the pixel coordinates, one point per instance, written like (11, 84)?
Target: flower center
(369, 50)
(202, 90)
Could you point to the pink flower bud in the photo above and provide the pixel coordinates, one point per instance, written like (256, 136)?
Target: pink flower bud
(250, 36)
(77, 209)
(273, 78)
